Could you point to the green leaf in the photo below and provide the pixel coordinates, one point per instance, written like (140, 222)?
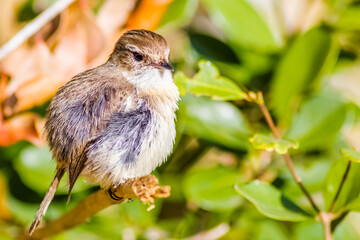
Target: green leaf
(313, 171)
(299, 66)
(215, 121)
(208, 82)
(348, 229)
(212, 48)
(269, 143)
(308, 230)
(351, 188)
(270, 202)
(272, 228)
(178, 13)
(349, 19)
(37, 170)
(212, 189)
(350, 154)
(354, 205)
(318, 122)
(242, 24)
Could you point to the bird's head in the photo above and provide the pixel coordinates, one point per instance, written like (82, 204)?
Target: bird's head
(140, 54)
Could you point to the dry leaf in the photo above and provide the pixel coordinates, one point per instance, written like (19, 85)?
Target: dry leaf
(80, 40)
(113, 15)
(34, 82)
(20, 73)
(21, 127)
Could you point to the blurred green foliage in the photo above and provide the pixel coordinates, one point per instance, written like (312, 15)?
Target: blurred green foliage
(298, 70)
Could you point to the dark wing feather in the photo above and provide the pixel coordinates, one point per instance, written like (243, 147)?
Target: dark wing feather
(99, 110)
(123, 137)
(76, 167)
(80, 111)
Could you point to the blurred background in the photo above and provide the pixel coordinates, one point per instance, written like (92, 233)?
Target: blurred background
(303, 55)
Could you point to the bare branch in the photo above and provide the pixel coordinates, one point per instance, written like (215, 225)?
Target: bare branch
(145, 188)
(34, 26)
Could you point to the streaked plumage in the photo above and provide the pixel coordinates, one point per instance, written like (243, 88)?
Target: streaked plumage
(115, 121)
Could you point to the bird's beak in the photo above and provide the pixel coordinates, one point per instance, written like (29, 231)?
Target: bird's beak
(166, 66)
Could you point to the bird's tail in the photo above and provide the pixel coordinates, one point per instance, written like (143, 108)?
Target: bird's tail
(47, 199)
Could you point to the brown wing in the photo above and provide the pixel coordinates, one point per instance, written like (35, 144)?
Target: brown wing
(99, 110)
(76, 167)
(80, 111)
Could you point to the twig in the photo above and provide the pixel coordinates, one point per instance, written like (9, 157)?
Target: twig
(340, 187)
(34, 26)
(145, 188)
(269, 120)
(260, 101)
(326, 219)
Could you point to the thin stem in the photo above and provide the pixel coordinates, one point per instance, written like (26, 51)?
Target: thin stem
(269, 120)
(326, 219)
(340, 187)
(34, 26)
(298, 180)
(286, 156)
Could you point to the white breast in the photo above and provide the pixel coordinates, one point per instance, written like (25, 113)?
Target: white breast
(158, 92)
(162, 100)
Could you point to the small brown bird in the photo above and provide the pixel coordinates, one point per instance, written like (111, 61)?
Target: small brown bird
(115, 121)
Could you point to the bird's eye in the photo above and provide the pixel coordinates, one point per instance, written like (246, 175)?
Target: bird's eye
(137, 56)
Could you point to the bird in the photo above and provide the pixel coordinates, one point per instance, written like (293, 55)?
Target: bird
(115, 121)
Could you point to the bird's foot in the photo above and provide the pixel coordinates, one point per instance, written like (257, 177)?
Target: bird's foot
(113, 195)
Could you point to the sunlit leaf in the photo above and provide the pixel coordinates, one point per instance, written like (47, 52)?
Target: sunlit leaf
(348, 229)
(318, 122)
(299, 66)
(351, 188)
(350, 154)
(348, 19)
(215, 121)
(212, 189)
(178, 13)
(354, 205)
(208, 82)
(270, 202)
(269, 143)
(242, 24)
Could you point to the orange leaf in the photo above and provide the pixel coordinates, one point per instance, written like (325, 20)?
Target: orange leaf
(113, 14)
(80, 39)
(21, 127)
(148, 14)
(4, 209)
(38, 65)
